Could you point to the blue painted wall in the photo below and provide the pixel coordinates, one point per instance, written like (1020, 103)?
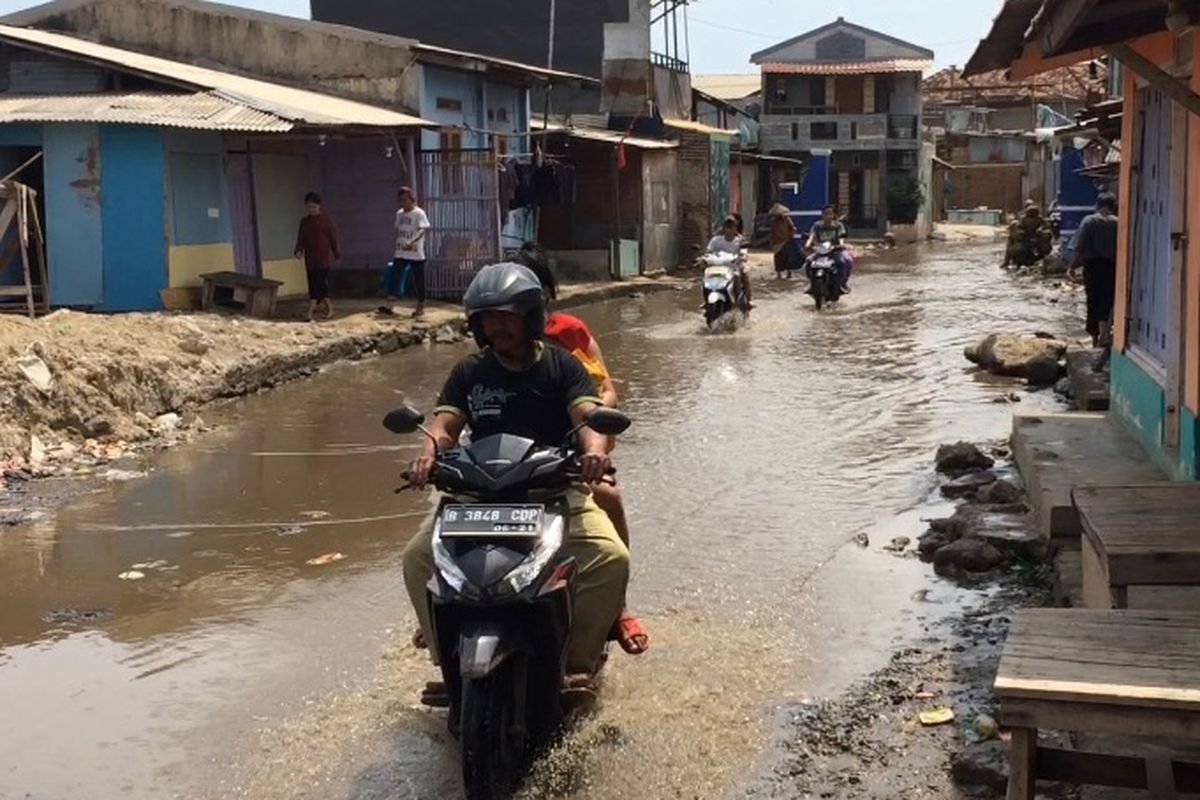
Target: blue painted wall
(1140, 404)
(810, 201)
(198, 197)
(74, 236)
(133, 180)
(461, 87)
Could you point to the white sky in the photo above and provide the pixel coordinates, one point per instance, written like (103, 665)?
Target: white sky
(725, 32)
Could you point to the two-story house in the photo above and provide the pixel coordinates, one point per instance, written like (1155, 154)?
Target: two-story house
(855, 93)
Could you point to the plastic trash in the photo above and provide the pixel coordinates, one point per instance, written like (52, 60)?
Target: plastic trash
(328, 558)
(938, 716)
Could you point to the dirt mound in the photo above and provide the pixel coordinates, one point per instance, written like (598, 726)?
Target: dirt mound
(85, 378)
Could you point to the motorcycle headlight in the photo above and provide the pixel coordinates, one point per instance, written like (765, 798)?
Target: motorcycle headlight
(536, 562)
(445, 562)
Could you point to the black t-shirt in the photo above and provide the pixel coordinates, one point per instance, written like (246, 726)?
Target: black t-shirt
(534, 403)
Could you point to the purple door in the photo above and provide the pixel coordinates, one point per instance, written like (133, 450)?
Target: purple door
(241, 213)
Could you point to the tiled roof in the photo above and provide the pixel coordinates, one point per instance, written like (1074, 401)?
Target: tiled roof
(200, 111)
(1074, 83)
(849, 67)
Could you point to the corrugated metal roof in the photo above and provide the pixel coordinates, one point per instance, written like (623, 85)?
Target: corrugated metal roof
(698, 127)
(202, 111)
(1005, 40)
(610, 137)
(299, 106)
(849, 67)
(728, 87)
(503, 63)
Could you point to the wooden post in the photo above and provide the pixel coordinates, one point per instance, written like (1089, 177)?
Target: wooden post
(23, 237)
(1022, 770)
(43, 278)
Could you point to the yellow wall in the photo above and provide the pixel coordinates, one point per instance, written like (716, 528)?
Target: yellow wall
(291, 272)
(186, 263)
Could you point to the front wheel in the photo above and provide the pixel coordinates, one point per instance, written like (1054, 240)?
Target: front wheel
(713, 312)
(495, 743)
(819, 291)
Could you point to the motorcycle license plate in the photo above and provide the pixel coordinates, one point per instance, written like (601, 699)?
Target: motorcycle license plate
(491, 521)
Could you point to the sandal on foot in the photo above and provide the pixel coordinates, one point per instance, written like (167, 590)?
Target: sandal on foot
(434, 695)
(629, 632)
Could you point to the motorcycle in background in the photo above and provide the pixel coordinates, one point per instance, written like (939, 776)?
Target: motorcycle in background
(824, 278)
(722, 286)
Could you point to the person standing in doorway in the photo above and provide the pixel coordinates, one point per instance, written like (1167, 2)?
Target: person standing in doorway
(412, 227)
(1096, 254)
(317, 244)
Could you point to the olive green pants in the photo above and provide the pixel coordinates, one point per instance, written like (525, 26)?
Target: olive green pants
(603, 564)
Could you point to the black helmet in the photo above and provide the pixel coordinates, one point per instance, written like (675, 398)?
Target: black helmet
(506, 287)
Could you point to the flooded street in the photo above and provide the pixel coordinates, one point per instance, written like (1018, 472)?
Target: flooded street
(236, 669)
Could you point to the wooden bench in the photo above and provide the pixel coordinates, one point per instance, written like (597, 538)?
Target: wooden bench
(257, 295)
(1146, 535)
(1122, 673)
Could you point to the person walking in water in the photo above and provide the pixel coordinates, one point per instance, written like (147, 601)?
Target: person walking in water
(317, 244)
(412, 228)
(1096, 255)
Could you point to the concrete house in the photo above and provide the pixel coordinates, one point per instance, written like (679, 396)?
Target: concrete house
(854, 93)
(1156, 352)
(152, 172)
(480, 107)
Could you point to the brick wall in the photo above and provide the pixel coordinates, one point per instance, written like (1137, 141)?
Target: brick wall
(694, 177)
(990, 185)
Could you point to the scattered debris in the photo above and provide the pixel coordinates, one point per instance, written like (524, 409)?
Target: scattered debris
(328, 558)
(938, 716)
(35, 369)
(898, 545)
(132, 575)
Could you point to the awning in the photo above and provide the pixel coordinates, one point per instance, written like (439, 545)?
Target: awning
(298, 106)
(1004, 42)
(849, 67)
(202, 111)
(698, 127)
(606, 136)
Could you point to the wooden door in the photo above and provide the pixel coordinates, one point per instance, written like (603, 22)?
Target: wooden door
(850, 90)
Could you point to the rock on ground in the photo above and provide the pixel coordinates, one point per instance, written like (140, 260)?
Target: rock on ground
(999, 493)
(969, 485)
(969, 554)
(1035, 358)
(960, 458)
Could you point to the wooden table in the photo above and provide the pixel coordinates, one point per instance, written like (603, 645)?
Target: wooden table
(260, 293)
(1146, 535)
(1134, 673)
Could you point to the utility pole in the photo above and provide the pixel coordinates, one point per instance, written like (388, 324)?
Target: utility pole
(550, 57)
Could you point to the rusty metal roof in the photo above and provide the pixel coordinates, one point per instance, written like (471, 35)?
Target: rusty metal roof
(610, 137)
(849, 67)
(298, 106)
(201, 111)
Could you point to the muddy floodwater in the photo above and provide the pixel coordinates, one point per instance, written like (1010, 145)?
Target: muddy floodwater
(234, 668)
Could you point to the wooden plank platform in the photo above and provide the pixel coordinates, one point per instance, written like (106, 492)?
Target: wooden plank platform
(1121, 658)
(1129, 673)
(1146, 534)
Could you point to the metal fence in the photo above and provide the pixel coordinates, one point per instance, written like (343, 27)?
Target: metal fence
(460, 193)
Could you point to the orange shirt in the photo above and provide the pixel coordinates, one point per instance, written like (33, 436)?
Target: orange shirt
(573, 335)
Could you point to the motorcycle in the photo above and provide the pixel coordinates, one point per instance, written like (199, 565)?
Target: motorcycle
(722, 286)
(502, 596)
(824, 278)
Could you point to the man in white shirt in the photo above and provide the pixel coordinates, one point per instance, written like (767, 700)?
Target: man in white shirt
(731, 242)
(412, 226)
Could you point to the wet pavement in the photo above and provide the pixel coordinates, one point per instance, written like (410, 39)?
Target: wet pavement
(234, 668)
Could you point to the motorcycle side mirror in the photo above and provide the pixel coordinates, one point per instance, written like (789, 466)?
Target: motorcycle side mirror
(404, 420)
(608, 422)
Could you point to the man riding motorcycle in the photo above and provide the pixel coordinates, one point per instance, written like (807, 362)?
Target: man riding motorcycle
(730, 241)
(831, 230)
(573, 335)
(517, 385)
